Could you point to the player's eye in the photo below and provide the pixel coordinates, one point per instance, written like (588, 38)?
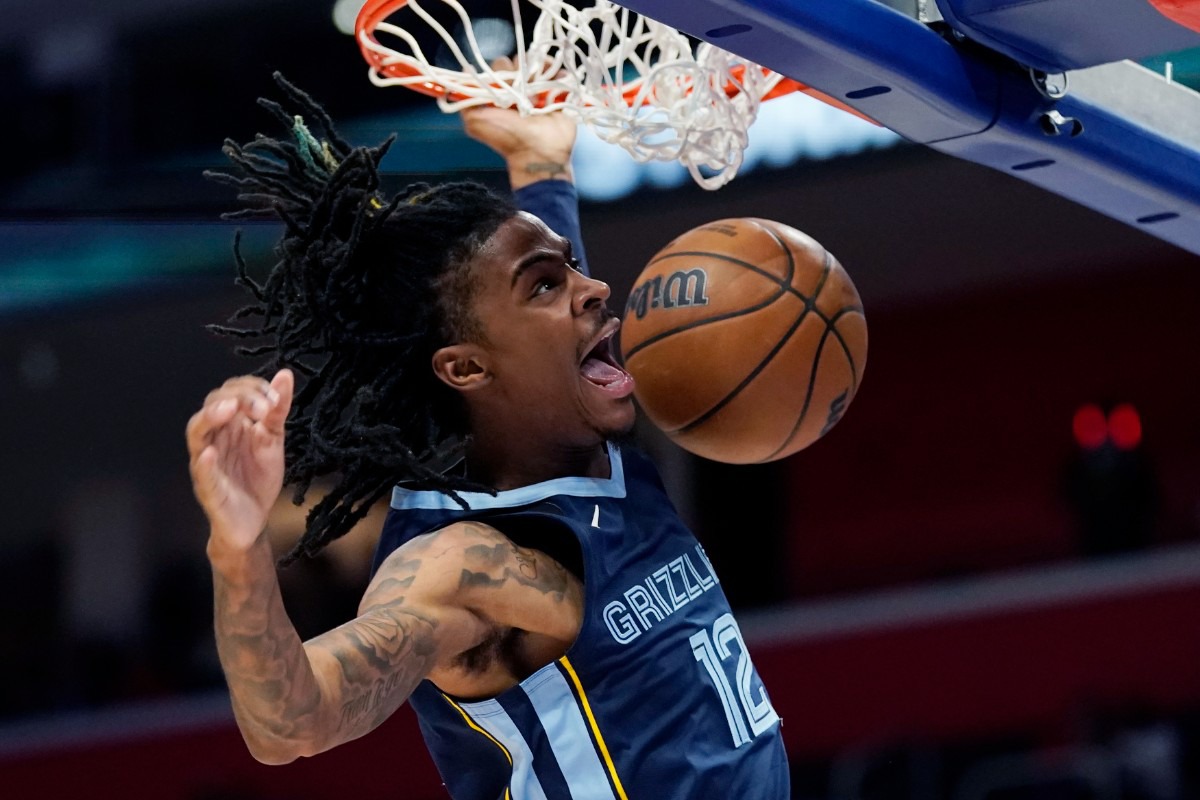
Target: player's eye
(574, 264)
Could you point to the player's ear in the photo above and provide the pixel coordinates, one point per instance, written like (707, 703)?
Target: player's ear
(462, 366)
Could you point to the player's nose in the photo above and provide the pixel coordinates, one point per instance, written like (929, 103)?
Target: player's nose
(590, 294)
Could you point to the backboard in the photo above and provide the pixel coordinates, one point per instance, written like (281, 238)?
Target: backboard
(1036, 90)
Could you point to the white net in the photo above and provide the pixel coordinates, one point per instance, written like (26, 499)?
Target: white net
(635, 82)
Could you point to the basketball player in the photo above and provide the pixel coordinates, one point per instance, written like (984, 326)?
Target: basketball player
(535, 597)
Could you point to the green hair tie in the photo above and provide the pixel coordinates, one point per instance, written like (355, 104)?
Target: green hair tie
(310, 146)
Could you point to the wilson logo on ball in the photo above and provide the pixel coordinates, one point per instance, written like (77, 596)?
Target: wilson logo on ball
(767, 356)
(681, 289)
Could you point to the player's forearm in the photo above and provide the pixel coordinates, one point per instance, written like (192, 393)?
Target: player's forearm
(530, 168)
(275, 695)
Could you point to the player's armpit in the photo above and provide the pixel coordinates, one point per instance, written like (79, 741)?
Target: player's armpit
(433, 599)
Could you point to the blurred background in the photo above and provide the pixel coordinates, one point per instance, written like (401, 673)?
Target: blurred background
(984, 584)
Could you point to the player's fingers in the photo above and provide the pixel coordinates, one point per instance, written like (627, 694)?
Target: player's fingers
(209, 428)
(279, 395)
(203, 466)
(206, 477)
(236, 385)
(216, 413)
(246, 396)
(201, 425)
(251, 395)
(476, 118)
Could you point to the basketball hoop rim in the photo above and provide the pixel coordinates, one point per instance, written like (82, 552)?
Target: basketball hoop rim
(369, 16)
(374, 12)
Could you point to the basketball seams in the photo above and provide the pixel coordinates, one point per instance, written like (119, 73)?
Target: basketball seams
(785, 285)
(782, 286)
(740, 424)
(826, 271)
(812, 375)
(766, 360)
(831, 328)
(791, 273)
(733, 393)
(791, 260)
(812, 380)
(842, 341)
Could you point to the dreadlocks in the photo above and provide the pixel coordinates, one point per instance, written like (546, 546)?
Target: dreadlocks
(364, 291)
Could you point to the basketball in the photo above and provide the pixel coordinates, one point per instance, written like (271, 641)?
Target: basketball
(746, 339)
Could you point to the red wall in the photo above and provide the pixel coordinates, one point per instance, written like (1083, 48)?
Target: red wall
(210, 762)
(1012, 665)
(950, 459)
(1035, 671)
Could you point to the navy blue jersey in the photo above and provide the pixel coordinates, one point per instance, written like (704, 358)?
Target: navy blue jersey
(556, 203)
(657, 698)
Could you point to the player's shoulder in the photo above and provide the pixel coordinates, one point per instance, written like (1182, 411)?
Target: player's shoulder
(451, 542)
(474, 566)
(435, 560)
(445, 566)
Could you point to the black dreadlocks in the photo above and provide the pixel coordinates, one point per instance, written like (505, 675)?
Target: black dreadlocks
(364, 291)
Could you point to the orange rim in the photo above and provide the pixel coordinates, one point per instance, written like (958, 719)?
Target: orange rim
(376, 11)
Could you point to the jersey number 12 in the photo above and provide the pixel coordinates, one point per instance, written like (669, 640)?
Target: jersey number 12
(745, 706)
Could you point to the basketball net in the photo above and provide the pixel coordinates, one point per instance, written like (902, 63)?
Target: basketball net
(634, 81)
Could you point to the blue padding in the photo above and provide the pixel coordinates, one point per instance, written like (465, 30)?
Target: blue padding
(958, 100)
(1059, 35)
(849, 48)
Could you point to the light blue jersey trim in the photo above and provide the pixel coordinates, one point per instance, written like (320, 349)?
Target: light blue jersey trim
(495, 720)
(612, 486)
(567, 732)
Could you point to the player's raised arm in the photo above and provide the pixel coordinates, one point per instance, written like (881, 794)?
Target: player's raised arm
(235, 444)
(534, 148)
(289, 699)
(294, 699)
(433, 599)
(537, 155)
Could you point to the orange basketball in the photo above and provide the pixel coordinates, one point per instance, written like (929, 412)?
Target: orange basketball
(746, 338)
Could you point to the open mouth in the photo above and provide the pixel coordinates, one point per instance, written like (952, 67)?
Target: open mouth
(600, 367)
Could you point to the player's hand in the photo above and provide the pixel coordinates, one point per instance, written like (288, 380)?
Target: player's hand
(235, 446)
(548, 136)
(534, 147)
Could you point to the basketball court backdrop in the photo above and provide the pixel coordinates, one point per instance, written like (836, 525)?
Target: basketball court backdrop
(1046, 92)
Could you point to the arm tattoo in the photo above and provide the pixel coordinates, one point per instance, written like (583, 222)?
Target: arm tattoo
(270, 681)
(384, 653)
(549, 169)
(383, 656)
(499, 562)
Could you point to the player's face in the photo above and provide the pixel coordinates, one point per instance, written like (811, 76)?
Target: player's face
(548, 334)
